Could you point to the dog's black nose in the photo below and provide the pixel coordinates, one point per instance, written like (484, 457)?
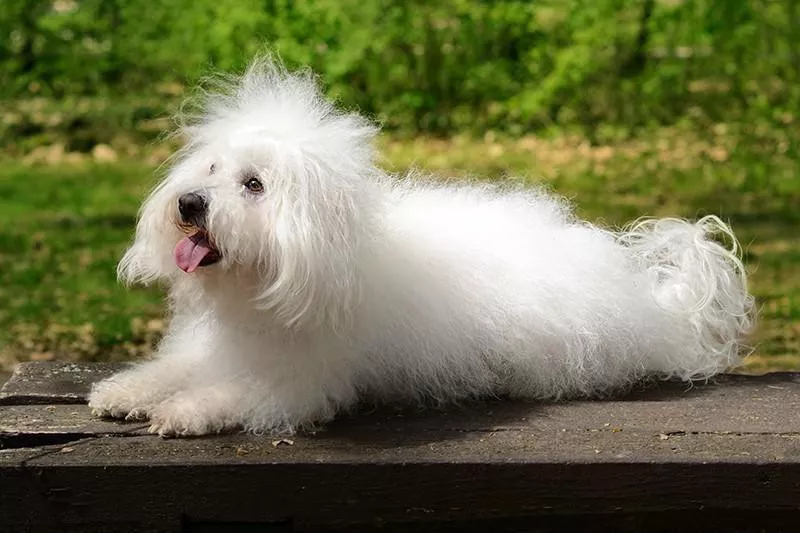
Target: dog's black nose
(192, 207)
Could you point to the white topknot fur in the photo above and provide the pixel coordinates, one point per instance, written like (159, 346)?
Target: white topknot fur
(336, 282)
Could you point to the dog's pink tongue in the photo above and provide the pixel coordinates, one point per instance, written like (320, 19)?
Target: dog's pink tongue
(190, 251)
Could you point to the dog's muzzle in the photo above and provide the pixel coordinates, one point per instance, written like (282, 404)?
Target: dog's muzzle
(193, 207)
(197, 248)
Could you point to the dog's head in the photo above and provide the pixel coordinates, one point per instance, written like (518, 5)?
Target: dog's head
(273, 185)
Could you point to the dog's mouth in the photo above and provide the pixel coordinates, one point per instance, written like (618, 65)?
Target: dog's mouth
(195, 251)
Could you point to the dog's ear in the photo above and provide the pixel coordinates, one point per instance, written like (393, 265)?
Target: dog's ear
(313, 246)
(136, 266)
(149, 257)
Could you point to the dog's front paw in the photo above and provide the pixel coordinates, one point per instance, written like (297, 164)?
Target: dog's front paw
(185, 416)
(112, 399)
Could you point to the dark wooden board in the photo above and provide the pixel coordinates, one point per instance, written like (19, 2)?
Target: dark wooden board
(40, 382)
(339, 495)
(721, 456)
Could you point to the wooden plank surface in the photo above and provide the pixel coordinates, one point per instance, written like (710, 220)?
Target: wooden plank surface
(725, 455)
(53, 382)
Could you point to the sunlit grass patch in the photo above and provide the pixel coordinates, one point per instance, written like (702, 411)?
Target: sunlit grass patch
(64, 228)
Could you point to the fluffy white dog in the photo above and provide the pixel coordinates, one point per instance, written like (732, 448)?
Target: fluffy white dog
(303, 279)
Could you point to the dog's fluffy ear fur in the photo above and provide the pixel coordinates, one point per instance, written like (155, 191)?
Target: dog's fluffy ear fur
(312, 243)
(149, 257)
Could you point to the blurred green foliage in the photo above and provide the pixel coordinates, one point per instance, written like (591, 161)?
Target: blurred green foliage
(609, 67)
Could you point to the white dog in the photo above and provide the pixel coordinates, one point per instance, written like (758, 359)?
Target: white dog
(304, 279)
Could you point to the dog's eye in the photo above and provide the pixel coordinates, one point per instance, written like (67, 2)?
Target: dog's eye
(254, 185)
(212, 168)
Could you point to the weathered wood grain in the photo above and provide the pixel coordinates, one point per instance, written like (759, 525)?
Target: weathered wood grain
(721, 456)
(40, 382)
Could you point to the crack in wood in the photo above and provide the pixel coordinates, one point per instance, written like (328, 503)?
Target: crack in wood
(11, 441)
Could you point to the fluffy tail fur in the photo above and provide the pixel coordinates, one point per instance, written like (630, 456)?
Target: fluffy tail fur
(701, 285)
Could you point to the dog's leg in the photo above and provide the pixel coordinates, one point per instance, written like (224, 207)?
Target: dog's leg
(251, 405)
(179, 362)
(133, 394)
(200, 410)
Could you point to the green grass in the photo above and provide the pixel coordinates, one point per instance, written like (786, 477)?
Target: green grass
(64, 226)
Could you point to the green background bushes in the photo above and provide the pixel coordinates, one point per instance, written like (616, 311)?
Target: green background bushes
(416, 65)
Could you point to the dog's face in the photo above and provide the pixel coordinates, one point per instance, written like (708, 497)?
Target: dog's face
(272, 186)
(227, 205)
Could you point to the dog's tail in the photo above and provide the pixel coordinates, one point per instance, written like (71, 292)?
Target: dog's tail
(702, 287)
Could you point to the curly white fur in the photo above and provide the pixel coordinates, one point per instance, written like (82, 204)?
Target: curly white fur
(341, 283)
